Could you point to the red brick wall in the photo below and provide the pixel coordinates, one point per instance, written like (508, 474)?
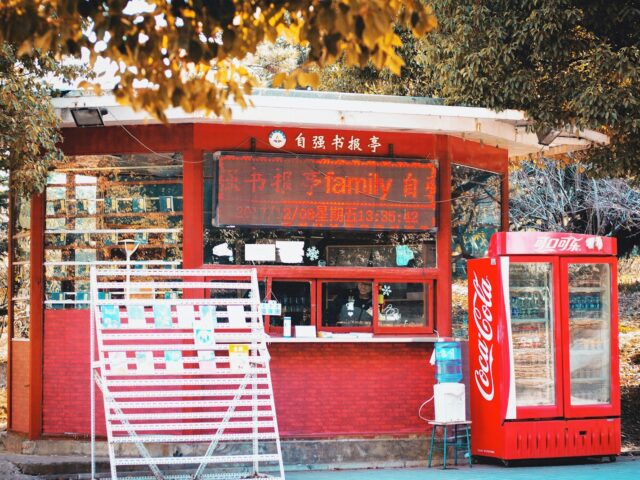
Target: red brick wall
(20, 385)
(350, 389)
(320, 389)
(66, 404)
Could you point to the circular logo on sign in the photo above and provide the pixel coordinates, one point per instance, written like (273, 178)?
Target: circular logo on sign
(277, 139)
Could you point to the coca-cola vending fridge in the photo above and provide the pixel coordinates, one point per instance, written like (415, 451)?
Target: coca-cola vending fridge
(543, 347)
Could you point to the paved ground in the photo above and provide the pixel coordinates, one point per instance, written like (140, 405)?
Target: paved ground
(8, 471)
(625, 468)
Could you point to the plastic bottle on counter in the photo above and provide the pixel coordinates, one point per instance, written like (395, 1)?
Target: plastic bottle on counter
(286, 327)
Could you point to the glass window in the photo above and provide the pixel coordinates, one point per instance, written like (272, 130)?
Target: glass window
(347, 304)
(323, 247)
(295, 300)
(402, 304)
(532, 326)
(590, 333)
(21, 274)
(96, 204)
(476, 198)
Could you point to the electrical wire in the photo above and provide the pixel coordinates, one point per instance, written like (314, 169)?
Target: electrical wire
(168, 157)
(422, 406)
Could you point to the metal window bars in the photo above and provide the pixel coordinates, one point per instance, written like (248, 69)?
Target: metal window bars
(185, 378)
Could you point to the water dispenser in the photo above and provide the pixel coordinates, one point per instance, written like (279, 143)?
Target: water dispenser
(448, 393)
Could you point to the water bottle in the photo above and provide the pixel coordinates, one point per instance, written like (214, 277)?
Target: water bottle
(286, 327)
(448, 362)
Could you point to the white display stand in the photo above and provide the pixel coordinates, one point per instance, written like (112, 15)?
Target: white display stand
(183, 373)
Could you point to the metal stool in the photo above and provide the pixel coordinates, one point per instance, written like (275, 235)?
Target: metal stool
(457, 442)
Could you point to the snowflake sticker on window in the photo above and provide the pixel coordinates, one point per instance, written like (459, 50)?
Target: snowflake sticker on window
(313, 253)
(385, 290)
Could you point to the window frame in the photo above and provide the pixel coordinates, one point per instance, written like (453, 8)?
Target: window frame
(429, 309)
(279, 330)
(321, 328)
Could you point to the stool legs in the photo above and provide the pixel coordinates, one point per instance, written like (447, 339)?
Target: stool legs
(455, 446)
(433, 436)
(444, 453)
(460, 443)
(468, 445)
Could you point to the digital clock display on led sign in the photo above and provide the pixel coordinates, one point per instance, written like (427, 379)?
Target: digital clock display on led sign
(325, 192)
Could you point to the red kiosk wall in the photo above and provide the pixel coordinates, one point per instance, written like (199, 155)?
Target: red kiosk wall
(19, 386)
(320, 389)
(67, 409)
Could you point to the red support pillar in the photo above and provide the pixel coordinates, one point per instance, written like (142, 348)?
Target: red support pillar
(192, 208)
(443, 246)
(36, 329)
(504, 204)
(10, 309)
(192, 191)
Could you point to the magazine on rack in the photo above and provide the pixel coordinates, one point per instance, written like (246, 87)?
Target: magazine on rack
(136, 316)
(144, 362)
(173, 361)
(186, 316)
(162, 316)
(118, 363)
(110, 316)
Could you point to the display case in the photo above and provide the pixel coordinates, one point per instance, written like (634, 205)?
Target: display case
(295, 299)
(542, 349)
(532, 326)
(589, 332)
(92, 211)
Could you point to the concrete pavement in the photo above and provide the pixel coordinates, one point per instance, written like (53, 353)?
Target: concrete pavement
(627, 467)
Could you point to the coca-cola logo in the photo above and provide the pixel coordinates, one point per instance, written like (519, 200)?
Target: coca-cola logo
(483, 319)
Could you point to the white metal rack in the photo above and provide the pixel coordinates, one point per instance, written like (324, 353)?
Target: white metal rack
(190, 370)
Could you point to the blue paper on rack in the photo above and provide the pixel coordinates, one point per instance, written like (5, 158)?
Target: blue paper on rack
(136, 316)
(110, 316)
(173, 361)
(162, 316)
(404, 255)
(203, 337)
(208, 315)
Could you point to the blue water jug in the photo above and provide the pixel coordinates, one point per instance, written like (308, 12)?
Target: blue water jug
(448, 362)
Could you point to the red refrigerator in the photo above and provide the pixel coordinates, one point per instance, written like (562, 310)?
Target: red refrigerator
(543, 347)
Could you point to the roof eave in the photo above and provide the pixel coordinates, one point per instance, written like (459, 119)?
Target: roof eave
(500, 129)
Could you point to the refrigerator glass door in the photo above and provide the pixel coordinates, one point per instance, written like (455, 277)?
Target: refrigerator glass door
(533, 323)
(589, 333)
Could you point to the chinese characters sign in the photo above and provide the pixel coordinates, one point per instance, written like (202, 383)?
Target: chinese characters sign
(294, 191)
(550, 243)
(338, 142)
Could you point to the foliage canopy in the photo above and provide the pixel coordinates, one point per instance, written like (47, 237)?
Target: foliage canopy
(28, 124)
(548, 196)
(567, 63)
(572, 63)
(187, 50)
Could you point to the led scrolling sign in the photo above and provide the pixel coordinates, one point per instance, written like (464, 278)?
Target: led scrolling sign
(325, 192)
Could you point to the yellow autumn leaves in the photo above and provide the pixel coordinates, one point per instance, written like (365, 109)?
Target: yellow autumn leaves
(188, 52)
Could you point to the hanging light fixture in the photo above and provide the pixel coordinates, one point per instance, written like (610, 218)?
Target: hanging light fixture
(88, 116)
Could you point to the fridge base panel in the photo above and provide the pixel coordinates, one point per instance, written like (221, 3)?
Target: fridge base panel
(554, 439)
